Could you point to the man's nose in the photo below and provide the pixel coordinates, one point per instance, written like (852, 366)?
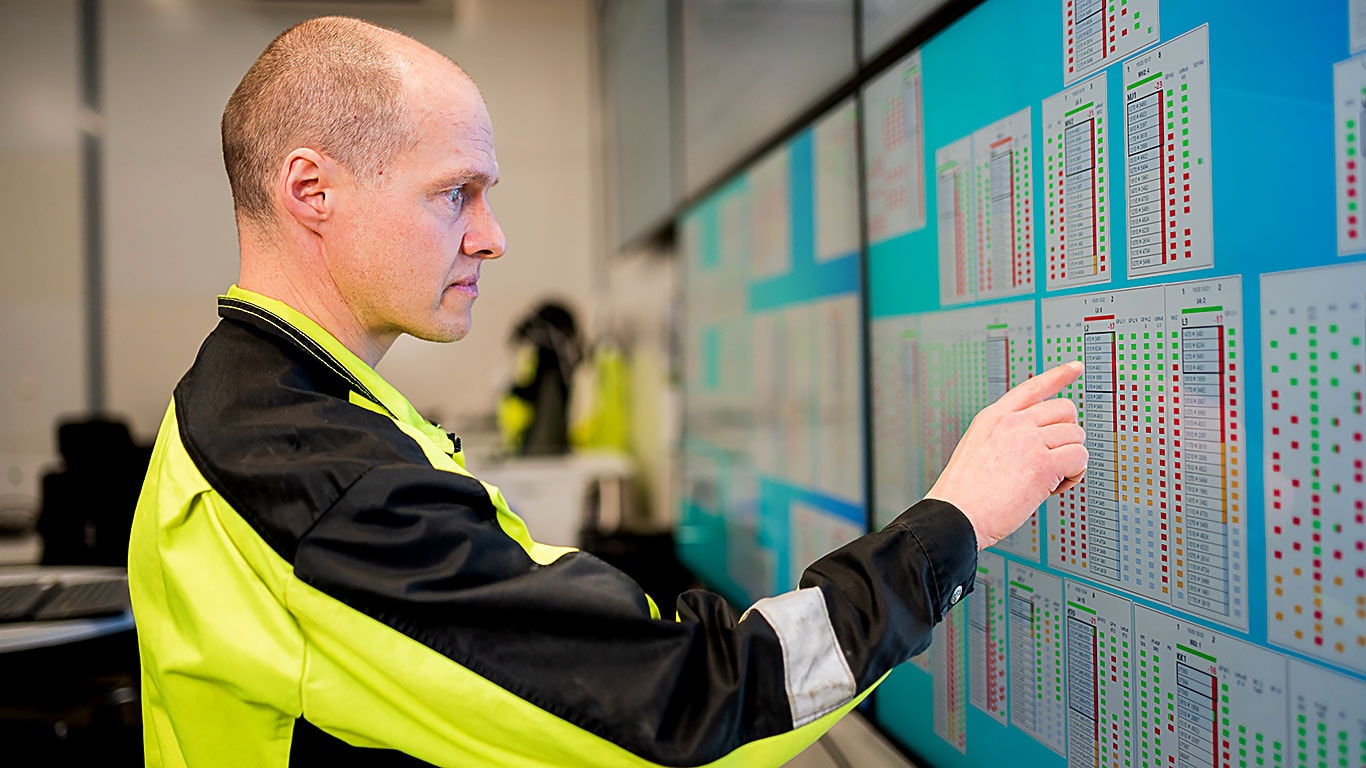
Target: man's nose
(484, 239)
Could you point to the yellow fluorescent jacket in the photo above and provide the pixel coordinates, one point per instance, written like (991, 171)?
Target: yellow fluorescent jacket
(318, 580)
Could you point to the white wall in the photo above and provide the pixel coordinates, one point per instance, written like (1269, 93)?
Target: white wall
(170, 65)
(41, 291)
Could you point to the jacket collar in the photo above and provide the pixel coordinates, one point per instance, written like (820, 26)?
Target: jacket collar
(281, 320)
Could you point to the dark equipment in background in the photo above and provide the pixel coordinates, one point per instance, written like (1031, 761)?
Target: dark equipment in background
(87, 506)
(534, 411)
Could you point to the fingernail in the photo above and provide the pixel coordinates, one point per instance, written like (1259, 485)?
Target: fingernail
(1075, 365)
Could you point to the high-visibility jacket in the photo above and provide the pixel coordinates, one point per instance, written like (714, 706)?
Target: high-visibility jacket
(318, 580)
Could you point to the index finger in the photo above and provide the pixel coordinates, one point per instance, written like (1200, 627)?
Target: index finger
(1041, 387)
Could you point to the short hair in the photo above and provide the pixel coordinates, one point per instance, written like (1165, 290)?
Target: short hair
(332, 84)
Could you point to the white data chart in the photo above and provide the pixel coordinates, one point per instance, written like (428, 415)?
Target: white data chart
(1101, 660)
(1160, 512)
(814, 533)
(949, 666)
(1077, 185)
(836, 179)
(894, 137)
(957, 222)
(1035, 607)
(1206, 699)
(1313, 332)
(1004, 188)
(1167, 155)
(1098, 33)
(932, 373)
(772, 216)
(1328, 720)
(1349, 120)
(987, 637)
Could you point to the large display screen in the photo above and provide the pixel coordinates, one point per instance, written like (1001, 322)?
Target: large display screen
(1144, 186)
(1167, 191)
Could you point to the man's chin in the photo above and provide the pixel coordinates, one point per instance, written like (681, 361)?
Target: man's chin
(442, 334)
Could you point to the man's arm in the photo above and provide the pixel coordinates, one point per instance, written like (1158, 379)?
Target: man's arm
(570, 650)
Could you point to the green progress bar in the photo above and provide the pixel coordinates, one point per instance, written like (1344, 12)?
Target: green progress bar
(1021, 586)
(1194, 652)
(1082, 608)
(1194, 310)
(1147, 79)
(1087, 105)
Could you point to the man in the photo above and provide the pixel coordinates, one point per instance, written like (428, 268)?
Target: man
(318, 579)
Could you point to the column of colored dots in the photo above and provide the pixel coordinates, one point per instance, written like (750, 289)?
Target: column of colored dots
(1313, 326)
(949, 666)
(1167, 131)
(957, 228)
(1010, 360)
(1004, 206)
(1064, 341)
(1207, 445)
(1252, 706)
(1349, 102)
(1328, 725)
(1076, 185)
(1036, 664)
(987, 637)
(1097, 33)
(1100, 673)
(1144, 495)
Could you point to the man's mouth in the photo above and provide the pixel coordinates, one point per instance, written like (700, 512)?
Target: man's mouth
(468, 286)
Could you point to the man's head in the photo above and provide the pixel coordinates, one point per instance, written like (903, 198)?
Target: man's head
(360, 163)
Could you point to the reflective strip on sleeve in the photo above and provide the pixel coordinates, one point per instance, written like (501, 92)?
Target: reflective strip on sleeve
(818, 676)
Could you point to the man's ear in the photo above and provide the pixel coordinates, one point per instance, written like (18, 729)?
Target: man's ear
(305, 187)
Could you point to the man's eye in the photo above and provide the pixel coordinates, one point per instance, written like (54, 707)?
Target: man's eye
(456, 196)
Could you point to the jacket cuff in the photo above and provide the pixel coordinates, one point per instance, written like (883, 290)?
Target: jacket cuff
(949, 544)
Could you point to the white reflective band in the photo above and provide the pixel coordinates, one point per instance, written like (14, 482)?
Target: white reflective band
(818, 676)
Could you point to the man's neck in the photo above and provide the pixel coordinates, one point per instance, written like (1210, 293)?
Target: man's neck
(312, 293)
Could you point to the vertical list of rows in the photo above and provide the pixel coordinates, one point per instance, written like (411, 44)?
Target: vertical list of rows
(1168, 126)
(1100, 541)
(1024, 704)
(1063, 341)
(998, 360)
(1205, 447)
(999, 242)
(1086, 43)
(1197, 688)
(1075, 185)
(1146, 163)
(1082, 238)
(1036, 656)
(1083, 693)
